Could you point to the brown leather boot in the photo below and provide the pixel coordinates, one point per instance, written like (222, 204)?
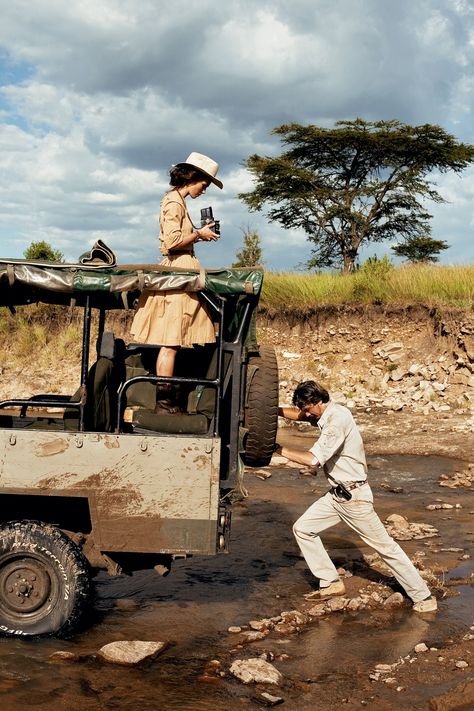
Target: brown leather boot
(166, 400)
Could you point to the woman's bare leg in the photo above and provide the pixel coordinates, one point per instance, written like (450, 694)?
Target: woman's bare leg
(166, 360)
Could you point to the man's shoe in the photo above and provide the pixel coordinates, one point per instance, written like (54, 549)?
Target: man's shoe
(428, 605)
(332, 590)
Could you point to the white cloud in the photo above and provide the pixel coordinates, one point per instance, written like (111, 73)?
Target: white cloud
(100, 97)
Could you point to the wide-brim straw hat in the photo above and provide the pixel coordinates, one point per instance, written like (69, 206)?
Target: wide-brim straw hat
(205, 165)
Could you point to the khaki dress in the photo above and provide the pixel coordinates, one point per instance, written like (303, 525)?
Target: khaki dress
(173, 318)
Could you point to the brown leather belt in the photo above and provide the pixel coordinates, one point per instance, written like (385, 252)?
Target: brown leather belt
(354, 484)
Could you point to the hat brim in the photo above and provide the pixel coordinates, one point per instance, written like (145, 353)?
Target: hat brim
(214, 180)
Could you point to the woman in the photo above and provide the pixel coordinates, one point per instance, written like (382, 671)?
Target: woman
(175, 319)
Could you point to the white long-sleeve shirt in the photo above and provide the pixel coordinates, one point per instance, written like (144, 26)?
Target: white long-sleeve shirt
(339, 449)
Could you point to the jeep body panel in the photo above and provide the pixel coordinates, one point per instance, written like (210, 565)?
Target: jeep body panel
(146, 494)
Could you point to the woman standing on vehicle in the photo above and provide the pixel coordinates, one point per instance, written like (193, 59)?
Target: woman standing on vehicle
(174, 319)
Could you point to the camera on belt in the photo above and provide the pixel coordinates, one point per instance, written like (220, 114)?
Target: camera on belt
(207, 217)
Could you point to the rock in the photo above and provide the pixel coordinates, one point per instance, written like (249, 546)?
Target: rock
(437, 507)
(257, 671)
(384, 668)
(260, 624)
(266, 699)
(397, 520)
(394, 600)
(285, 628)
(335, 604)
(278, 460)
(234, 629)
(390, 349)
(295, 617)
(317, 610)
(459, 479)
(288, 354)
(63, 656)
(402, 530)
(254, 635)
(130, 653)
(261, 473)
(421, 648)
(354, 604)
(398, 374)
(394, 489)
(461, 664)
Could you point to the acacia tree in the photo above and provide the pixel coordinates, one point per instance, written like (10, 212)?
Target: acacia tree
(251, 252)
(420, 249)
(44, 251)
(357, 183)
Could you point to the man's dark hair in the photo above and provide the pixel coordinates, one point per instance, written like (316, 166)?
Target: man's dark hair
(309, 393)
(181, 175)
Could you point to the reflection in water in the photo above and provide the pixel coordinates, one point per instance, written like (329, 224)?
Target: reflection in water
(263, 575)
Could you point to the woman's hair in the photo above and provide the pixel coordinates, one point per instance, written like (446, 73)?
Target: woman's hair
(181, 175)
(309, 393)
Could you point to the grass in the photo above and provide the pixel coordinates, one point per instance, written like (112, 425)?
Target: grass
(376, 282)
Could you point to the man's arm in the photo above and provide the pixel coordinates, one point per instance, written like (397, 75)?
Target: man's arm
(300, 456)
(290, 412)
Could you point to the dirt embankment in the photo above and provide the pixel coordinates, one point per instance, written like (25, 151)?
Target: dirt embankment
(384, 361)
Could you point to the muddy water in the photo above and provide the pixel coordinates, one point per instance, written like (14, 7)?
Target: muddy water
(262, 576)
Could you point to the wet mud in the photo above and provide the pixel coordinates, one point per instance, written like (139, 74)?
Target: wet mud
(326, 663)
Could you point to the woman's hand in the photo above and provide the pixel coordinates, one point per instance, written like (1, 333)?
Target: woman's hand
(206, 234)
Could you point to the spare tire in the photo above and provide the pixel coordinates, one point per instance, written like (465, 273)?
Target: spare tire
(261, 407)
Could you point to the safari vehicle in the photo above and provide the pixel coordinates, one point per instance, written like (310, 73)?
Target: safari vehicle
(97, 479)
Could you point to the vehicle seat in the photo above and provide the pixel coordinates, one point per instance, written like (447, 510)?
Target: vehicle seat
(200, 410)
(103, 380)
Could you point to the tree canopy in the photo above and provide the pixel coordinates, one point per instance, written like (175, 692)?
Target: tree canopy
(356, 183)
(420, 249)
(44, 251)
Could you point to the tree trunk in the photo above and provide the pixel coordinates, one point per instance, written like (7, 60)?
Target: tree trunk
(348, 266)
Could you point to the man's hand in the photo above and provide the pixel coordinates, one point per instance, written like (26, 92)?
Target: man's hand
(300, 456)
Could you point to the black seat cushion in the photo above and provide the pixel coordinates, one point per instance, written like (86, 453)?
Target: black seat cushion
(171, 424)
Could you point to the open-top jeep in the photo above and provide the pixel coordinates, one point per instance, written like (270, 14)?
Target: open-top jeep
(97, 479)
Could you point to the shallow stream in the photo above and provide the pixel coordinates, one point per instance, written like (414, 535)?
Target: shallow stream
(262, 576)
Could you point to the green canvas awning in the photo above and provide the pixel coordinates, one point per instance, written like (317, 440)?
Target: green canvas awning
(23, 282)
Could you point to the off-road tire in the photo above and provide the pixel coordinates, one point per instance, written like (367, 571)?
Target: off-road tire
(261, 407)
(44, 580)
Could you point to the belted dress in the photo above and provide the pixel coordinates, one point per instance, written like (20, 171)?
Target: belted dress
(173, 318)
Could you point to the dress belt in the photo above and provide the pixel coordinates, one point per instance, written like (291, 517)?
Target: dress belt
(179, 252)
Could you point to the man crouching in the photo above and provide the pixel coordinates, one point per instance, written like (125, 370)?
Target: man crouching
(340, 452)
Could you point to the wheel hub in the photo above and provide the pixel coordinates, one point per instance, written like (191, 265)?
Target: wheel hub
(25, 585)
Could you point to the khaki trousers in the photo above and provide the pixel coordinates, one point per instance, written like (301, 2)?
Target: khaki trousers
(359, 514)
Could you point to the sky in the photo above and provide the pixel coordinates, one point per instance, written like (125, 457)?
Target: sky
(98, 98)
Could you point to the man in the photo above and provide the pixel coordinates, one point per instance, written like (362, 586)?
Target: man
(340, 452)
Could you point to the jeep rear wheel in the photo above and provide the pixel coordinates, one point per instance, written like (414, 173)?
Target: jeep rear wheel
(44, 580)
(261, 407)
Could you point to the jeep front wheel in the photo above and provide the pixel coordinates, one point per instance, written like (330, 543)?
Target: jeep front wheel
(44, 580)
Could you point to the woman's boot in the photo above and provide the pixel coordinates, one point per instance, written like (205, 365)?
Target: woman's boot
(166, 400)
